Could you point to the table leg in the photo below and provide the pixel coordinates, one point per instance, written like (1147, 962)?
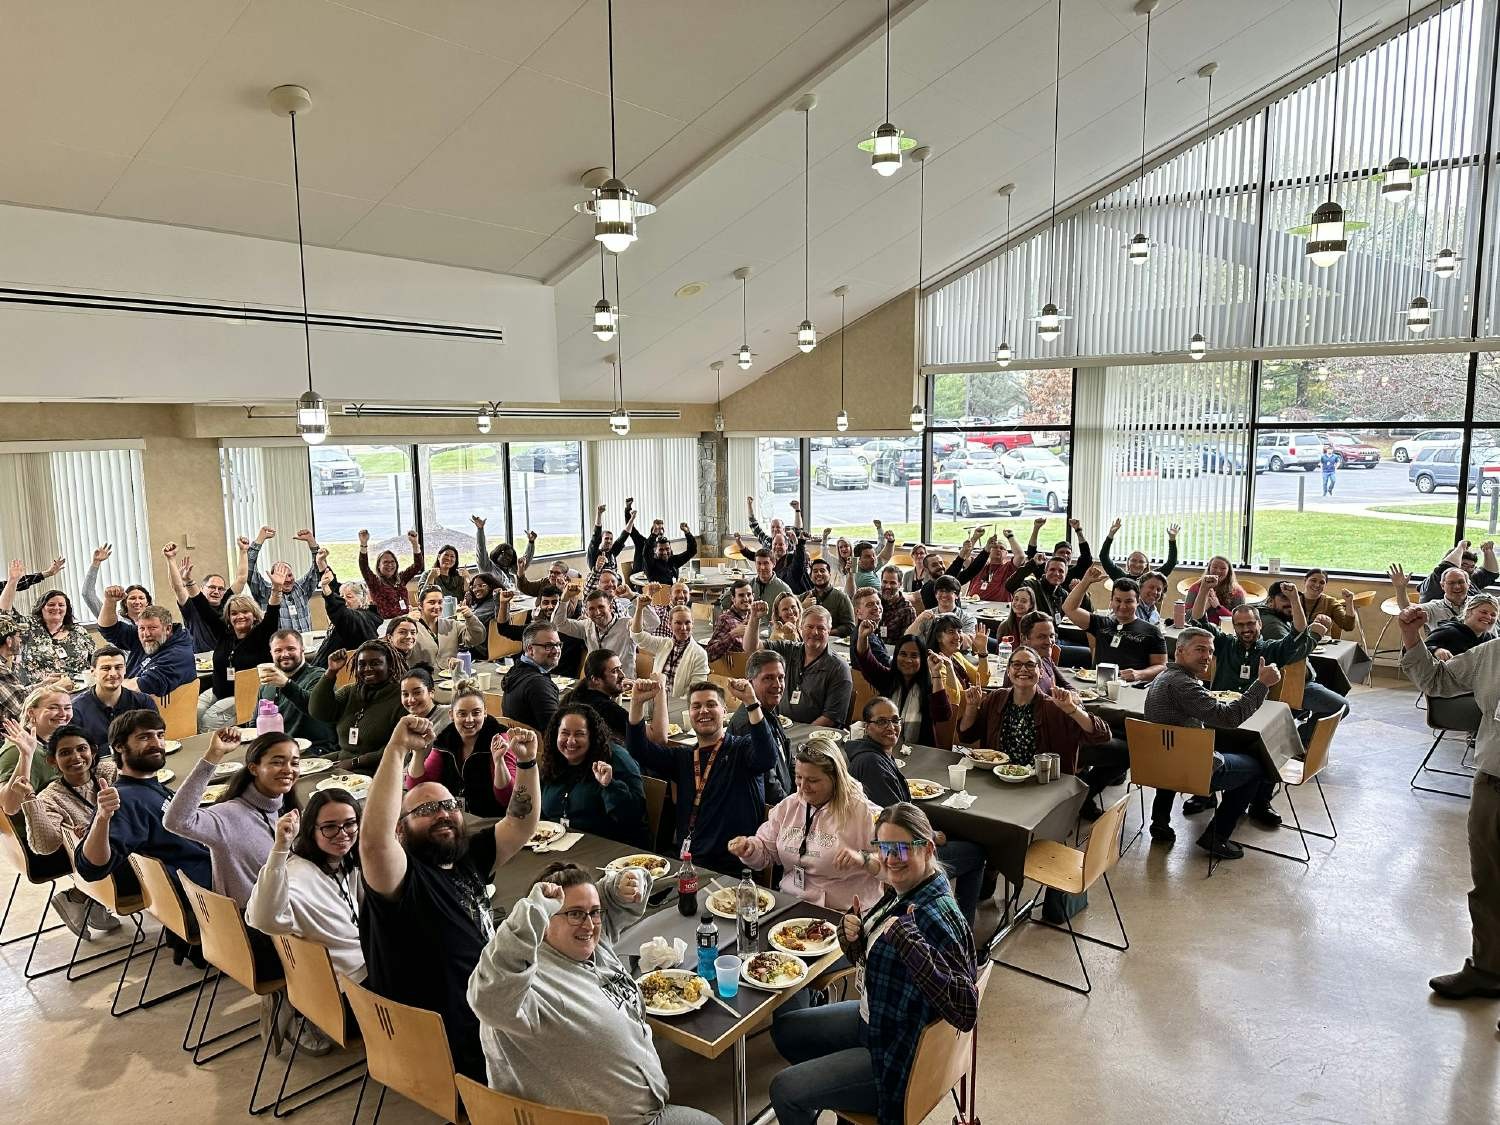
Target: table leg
(741, 1115)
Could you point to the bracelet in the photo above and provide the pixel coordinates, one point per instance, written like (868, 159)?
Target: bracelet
(755, 706)
(531, 765)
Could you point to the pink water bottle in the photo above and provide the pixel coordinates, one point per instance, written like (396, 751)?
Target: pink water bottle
(268, 718)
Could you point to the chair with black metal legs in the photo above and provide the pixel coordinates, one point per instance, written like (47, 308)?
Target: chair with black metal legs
(1297, 773)
(1179, 759)
(312, 989)
(38, 870)
(1073, 871)
(116, 895)
(406, 1050)
(1457, 714)
(164, 904)
(492, 1107)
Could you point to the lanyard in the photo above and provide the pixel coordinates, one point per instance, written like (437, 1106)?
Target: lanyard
(79, 797)
(812, 812)
(340, 882)
(265, 819)
(700, 782)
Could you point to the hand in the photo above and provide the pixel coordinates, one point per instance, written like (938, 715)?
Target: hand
(243, 544)
(1270, 675)
(604, 774)
(114, 593)
(684, 528)
(1172, 530)
(848, 859)
(739, 847)
(107, 803)
(477, 521)
(169, 552)
(852, 923)
(982, 638)
(642, 601)
(1322, 624)
(320, 560)
(364, 539)
(224, 740)
(57, 564)
(336, 661)
(1010, 536)
(750, 503)
(1039, 523)
(742, 692)
(1093, 574)
(16, 570)
(1076, 525)
(973, 697)
(275, 677)
(864, 627)
(325, 581)
(523, 743)
(1442, 654)
(102, 552)
(645, 689)
(24, 739)
(759, 608)
(1347, 596)
(1413, 617)
(305, 536)
(504, 596)
(412, 735)
(265, 533)
(286, 828)
(1114, 529)
(889, 536)
(1397, 575)
(413, 539)
(530, 536)
(629, 885)
(21, 787)
(1128, 675)
(550, 890)
(1066, 701)
(796, 505)
(185, 569)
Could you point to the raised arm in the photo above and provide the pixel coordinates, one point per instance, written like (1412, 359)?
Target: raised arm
(8, 595)
(180, 581)
(108, 611)
(518, 825)
(1073, 603)
(1398, 578)
(1170, 563)
(381, 856)
(91, 577)
(1432, 676)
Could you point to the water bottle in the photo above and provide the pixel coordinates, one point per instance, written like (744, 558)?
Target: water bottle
(466, 663)
(708, 947)
(687, 887)
(747, 912)
(268, 718)
(450, 605)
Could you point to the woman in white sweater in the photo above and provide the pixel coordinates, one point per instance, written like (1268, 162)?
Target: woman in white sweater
(682, 660)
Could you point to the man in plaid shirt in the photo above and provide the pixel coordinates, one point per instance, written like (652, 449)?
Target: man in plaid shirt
(729, 631)
(13, 684)
(296, 594)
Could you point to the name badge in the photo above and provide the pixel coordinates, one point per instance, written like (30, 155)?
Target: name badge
(1114, 642)
(796, 697)
(353, 736)
(798, 879)
(1244, 671)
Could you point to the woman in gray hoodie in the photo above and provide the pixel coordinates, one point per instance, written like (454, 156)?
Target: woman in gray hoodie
(549, 985)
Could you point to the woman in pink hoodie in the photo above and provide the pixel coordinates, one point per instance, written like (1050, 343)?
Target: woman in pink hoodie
(820, 835)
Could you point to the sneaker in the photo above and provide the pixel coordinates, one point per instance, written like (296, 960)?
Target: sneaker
(1090, 811)
(311, 1041)
(1195, 805)
(1466, 984)
(1265, 816)
(1220, 849)
(73, 912)
(102, 920)
(1163, 832)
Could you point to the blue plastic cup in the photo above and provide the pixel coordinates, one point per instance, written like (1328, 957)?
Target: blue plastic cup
(727, 970)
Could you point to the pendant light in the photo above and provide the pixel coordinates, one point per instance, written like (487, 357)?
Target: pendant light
(1049, 320)
(1198, 345)
(1419, 311)
(1329, 242)
(807, 335)
(744, 357)
(1445, 261)
(482, 420)
(1003, 352)
(606, 318)
(718, 366)
(918, 415)
(886, 144)
(614, 206)
(1396, 178)
(1138, 249)
(312, 414)
(841, 423)
(619, 418)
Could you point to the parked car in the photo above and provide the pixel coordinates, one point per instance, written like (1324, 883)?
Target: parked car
(870, 451)
(897, 466)
(1408, 449)
(334, 471)
(1002, 441)
(979, 457)
(1012, 461)
(840, 470)
(547, 457)
(782, 474)
(1043, 486)
(1351, 452)
(1437, 467)
(1218, 459)
(972, 491)
(1289, 450)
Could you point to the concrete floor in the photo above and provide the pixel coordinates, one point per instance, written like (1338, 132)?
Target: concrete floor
(1271, 992)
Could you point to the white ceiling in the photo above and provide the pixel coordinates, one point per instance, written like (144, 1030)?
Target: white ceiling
(454, 131)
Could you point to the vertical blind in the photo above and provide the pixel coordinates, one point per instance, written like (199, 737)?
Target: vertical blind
(660, 473)
(265, 485)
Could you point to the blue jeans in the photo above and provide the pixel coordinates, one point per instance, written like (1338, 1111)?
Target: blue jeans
(1327, 484)
(831, 1066)
(1239, 777)
(1321, 700)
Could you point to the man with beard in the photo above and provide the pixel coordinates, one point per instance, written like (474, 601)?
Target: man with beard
(600, 687)
(573, 650)
(824, 593)
(530, 696)
(158, 655)
(655, 556)
(14, 683)
(96, 707)
(288, 685)
(895, 608)
(426, 917)
(766, 672)
(214, 588)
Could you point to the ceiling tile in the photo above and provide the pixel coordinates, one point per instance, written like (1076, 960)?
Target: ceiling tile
(49, 175)
(406, 233)
(549, 257)
(507, 29)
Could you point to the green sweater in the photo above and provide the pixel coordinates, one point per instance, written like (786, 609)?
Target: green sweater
(42, 774)
(375, 715)
(292, 702)
(1232, 658)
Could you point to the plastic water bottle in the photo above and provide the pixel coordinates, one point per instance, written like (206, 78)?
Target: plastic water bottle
(747, 912)
(268, 718)
(450, 606)
(708, 947)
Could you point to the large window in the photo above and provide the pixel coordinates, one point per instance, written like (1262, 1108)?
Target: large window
(770, 470)
(546, 495)
(857, 480)
(460, 481)
(1006, 480)
(1003, 398)
(361, 487)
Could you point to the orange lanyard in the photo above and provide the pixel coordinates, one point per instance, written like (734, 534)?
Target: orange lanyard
(700, 781)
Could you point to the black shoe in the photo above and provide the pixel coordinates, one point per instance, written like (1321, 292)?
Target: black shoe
(1163, 833)
(1090, 811)
(1220, 849)
(1467, 983)
(1195, 805)
(1265, 816)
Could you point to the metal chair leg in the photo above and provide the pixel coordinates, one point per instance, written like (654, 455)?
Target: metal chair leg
(279, 1110)
(31, 935)
(360, 1100)
(1437, 769)
(1140, 828)
(1076, 937)
(204, 1040)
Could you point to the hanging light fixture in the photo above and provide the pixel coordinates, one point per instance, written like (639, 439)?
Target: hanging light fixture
(1049, 320)
(841, 423)
(918, 415)
(1445, 263)
(886, 144)
(482, 420)
(606, 319)
(1138, 249)
(718, 366)
(807, 335)
(1329, 241)
(744, 357)
(614, 206)
(1396, 177)
(1198, 344)
(619, 418)
(1003, 353)
(312, 414)
(1419, 311)
(1418, 316)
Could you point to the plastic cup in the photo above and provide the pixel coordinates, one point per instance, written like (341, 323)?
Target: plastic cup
(958, 775)
(265, 671)
(1112, 689)
(727, 970)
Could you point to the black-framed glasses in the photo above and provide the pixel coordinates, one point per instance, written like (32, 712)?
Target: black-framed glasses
(1032, 664)
(549, 645)
(883, 721)
(432, 808)
(897, 849)
(577, 915)
(332, 830)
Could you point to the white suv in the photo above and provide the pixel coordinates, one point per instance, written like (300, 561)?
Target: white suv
(1409, 449)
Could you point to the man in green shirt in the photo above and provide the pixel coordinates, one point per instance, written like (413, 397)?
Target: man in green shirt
(289, 685)
(830, 597)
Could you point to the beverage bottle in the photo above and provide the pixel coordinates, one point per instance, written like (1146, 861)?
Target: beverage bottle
(268, 718)
(747, 912)
(687, 887)
(450, 605)
(708, 946)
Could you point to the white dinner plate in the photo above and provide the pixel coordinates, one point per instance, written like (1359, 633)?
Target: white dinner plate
(704, 992)
(248, 735)
(817, 950)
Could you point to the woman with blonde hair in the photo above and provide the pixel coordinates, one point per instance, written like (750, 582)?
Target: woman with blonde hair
(46, 708)
(786, 619)
(242, 639)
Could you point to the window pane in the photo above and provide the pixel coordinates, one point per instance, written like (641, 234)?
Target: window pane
(1391, 495)
(857, 480)
(361, 486)
(459, 481)
(1007, 480)
(1482, 505)
(1487, 388)
(546, 494)
(1390, 388)
(1003, 398)
(778, 480)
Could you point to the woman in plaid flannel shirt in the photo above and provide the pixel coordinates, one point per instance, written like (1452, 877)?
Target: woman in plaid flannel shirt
(915, 961)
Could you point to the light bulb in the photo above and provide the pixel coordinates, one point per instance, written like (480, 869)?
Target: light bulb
(1197, 346)
(1138, 251)
(1327, 244)
(1396, 185)
(807, 337)
(615, 209)
(1049, 322)
(619, 421)
(718, 423)
(841, 423)
(605, 319)
(743, 357)
(918, 418)
(1003, 355)
(483, 421)
(885, 149)
(1418, 316)
(1445, 264)
(312, 418)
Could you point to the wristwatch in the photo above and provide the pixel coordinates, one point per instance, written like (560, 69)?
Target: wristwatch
(754, 705)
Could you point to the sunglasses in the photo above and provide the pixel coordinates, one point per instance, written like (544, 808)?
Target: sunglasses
(576, 916)
(897, 849)
(432, 808)
(331, 831)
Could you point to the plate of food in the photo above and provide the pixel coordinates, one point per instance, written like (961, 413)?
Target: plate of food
(315, 765)
(172, 746)
(1013, 773)
(828, 734)
(658, 867)
(564, 681)
(721, 903)
(164, 775)
(224, 769)
(989, 757)
(1226, 696)
(357, 784)
(1083, 675)
(546, 832)
(212, 794)
(671, 992)
(806, 937)
(784, 720)
(774, 970)
(674, 730)
(923, 790)
(248, 735)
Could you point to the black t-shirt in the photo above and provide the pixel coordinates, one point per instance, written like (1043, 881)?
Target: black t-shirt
(1129, 646)
(422, 944)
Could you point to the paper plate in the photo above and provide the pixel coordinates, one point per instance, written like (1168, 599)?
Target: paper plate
(357, 784)
(655, 865)
(164, 775)
(173, 746)
(226, 769)
(315, 765)
(987, 757)
(715, 902)
(546, 831)
(790, 971)
(212, 794)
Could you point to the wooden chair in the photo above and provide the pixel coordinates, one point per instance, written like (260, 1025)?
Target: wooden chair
(1296, 773)
(703, 611)
(312, 989)
(491, 1107)
(656, 800)
(1293, 684)
(1073, 871)
(644, 662)
(406, 1050)
(730, 664)
(179, 710)
(1170, 757)
(226, 947)
(864, 691)
(37, 870)
(1457, 714)
(246, 692)
(161, 901)
(124, 902)
(345, 676)
(946, 1059)
(500, 646)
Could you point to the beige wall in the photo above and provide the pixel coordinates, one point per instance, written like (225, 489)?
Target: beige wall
(801, 396)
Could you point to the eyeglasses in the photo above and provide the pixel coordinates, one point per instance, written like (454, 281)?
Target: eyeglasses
(897, 849)
(883, 721)
(1032, 664)
(546, 644)
(332, 831)
(432, 808)
(576, 916)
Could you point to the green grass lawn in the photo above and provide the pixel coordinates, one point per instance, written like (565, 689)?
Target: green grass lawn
(1444, 508)
(1352, 543)
(344, 557)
